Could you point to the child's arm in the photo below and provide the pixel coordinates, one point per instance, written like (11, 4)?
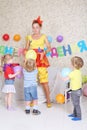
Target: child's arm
(66, 78)
(1, 70)
(13, 75)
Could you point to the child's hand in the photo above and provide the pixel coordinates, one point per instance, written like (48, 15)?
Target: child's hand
(14, 75)
(10, 76)
(17, 73)
(65, 78)
(0, 68)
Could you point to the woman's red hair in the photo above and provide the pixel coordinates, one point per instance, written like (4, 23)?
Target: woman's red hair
(38, 20)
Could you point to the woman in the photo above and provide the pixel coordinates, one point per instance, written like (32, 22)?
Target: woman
(37, 42)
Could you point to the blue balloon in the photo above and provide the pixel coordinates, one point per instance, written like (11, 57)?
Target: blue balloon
(65, 72)
(45, 48)
(48, 54)
(50, 39)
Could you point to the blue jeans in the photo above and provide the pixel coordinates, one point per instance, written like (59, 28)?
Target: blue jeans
(30, 93)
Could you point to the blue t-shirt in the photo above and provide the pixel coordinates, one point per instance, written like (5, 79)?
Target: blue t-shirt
(30, 78)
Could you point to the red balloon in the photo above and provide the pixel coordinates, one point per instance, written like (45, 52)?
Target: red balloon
(5, 37)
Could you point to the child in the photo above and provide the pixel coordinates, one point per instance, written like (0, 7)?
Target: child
(76, 84)
(9, 75)
(30, 86)
(0, 80)
(37, 42)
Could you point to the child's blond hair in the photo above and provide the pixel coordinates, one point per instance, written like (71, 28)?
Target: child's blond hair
(6, 58)
(77, 62)
(30, 65)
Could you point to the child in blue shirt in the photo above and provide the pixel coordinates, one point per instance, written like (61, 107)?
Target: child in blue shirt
(30, 86)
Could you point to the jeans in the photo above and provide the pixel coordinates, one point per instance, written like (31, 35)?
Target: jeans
(30, 93)
(75, 95)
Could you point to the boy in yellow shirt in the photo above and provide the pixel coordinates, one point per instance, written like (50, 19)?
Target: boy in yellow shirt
(76, 84)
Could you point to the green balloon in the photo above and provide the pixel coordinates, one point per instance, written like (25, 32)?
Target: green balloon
(2, 49)
(84, 79)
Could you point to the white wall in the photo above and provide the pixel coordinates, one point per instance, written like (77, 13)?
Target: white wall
(65, 17)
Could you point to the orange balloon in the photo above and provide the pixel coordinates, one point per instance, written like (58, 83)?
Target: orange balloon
(60, 98)
(17, 37)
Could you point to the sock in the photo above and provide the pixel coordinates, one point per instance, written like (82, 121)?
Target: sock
(35, 107)
(27, 107)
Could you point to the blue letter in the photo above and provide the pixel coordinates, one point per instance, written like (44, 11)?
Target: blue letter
(9, 50)
(65, 50)
(82, 46)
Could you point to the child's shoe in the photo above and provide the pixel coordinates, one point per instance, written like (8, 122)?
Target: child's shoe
(27, 111)
(76, 119)
(36, 112)
(71, 115)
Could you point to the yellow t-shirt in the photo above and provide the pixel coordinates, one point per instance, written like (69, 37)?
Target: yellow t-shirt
(39, 43)
(75, 79)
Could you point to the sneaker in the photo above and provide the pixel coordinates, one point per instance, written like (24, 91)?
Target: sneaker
(27, 111)
(36, 112)
(76, 119)
(71, 115)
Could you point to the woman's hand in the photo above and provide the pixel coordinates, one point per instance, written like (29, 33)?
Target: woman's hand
(42, 55)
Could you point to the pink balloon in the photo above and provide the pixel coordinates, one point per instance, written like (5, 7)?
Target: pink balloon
(85, 90)
(16, 69)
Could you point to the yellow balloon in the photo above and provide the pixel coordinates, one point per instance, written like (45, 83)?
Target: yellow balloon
(31, 54)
